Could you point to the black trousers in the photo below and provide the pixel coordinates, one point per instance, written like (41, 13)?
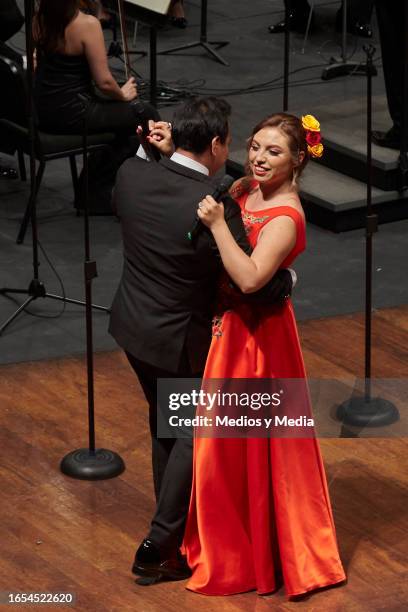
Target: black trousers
(66, 115)
(122, 118)
(391, 20)
(172, 461)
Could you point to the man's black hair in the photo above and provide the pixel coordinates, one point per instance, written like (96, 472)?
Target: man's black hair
(199, 121)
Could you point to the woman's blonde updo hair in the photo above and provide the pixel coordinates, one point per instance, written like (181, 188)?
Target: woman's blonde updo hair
(293, 129)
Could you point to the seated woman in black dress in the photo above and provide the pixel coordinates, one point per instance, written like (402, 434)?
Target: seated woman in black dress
(71, 58)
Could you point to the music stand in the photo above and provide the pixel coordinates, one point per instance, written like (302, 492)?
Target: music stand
(203, 42)
(152, 13)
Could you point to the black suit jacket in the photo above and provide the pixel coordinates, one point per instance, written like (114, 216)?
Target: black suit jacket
(165, 300)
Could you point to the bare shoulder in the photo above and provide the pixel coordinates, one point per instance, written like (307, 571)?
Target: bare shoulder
(295, 203)
(85, 23)
(88, 20)
(82, 32)
(281, 223)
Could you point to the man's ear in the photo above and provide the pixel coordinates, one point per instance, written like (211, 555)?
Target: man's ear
(215, 143)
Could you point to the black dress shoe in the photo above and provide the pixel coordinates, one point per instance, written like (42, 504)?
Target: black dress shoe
(390, 139)
(297, 23)
(353, 27)
(8, 173)
(151, 562)
(179, 22)
(360, 29)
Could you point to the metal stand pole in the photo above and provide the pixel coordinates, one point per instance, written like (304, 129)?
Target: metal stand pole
(203, 42)
(403, 157)
(90, 463)
(368, 411)
(288, 6)
(341, 66)
(153, 66)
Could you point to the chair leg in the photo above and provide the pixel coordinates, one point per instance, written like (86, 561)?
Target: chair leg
(115, 27)
(21, 165)
(30, 205)
(74, 174)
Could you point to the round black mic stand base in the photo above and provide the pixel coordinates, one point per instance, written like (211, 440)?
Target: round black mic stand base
(339, 68)
(363, 412)
(85, 464)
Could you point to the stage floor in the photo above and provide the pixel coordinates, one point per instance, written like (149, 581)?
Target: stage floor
(57, 534)
(331, 271)
(62, 535)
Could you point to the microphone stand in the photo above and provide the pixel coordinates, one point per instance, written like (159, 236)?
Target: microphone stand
(403, 157)
(36, 288)
(203, 42)
(288, 7)
(341, 66)
(90, 463)
(366, 410)
(153, 65)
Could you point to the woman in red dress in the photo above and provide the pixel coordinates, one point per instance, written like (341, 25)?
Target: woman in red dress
(260, 510)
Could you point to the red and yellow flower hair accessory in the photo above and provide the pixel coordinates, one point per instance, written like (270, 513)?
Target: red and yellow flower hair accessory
(313, 136)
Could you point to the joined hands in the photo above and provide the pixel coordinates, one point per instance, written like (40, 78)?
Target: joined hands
(159, 136)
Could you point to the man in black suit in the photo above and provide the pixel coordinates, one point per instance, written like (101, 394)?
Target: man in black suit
(162, 311)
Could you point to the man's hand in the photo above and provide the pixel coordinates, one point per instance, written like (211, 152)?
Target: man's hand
(278, 290)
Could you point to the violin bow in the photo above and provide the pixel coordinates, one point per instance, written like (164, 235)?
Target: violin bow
(122, 22)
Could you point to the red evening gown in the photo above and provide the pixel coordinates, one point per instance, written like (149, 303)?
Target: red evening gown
(260, 510)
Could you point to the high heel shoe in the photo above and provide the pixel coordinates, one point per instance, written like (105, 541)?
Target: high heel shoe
(179, 22)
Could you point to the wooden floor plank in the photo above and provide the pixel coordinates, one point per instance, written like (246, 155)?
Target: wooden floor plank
(59, 534)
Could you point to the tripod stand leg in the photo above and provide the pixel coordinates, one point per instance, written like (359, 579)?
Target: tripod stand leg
(15, 315)
(214, 53)
(180, 48)
(60, 298)
(30, 205)
(201, 43)
(5, 290)
(74, 174)
(21, 165)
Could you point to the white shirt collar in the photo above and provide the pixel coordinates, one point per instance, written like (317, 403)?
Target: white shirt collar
(179, 158)
(183, 160)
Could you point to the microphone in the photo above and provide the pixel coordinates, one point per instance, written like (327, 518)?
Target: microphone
(223, 188)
